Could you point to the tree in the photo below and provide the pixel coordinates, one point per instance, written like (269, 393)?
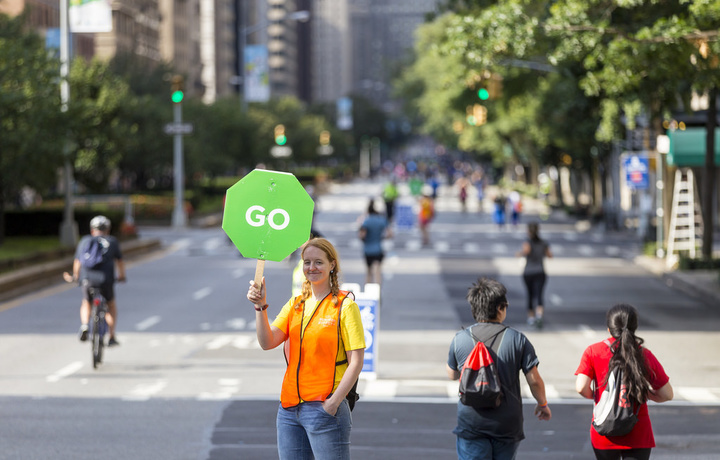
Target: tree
(30, 118)
(99, 130)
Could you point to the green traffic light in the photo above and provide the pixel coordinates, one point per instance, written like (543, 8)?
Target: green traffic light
(483, 94)
(177, 96)
(281, 140)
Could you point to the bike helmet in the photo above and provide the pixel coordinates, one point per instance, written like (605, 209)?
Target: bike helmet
(101, 223)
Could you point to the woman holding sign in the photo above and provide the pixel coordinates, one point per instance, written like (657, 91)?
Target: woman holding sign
(323, 326)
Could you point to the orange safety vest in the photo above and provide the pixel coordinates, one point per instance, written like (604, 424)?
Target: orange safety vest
(312, 353)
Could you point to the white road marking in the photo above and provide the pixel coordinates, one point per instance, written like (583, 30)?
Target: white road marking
(245, 341)
(442, 246)
(612, 250)
(144, 391)
(202, 293)
(586, 330)
(213, 243)
(64, 372)
(147, 323)
(550, 391)
(384, 388)
(570, 236)
(700, 395)
(219, 342)
(236, 323)
(499, 248)
(228, 387)
(471, 248)
(413, 245)
(586, 250)
(452, 389)
(238, 273)
(556, 299)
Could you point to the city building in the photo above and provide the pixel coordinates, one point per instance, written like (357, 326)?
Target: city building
(383, 36)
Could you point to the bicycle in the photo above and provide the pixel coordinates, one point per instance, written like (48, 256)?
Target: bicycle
(97, 324)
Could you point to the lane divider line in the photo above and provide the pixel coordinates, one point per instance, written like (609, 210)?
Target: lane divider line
(147, 323)
(64, 372)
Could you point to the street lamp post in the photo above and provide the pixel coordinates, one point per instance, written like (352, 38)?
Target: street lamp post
(300, 16)
(68, 227)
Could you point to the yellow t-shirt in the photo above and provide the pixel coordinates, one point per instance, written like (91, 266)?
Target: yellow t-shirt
(351, 328)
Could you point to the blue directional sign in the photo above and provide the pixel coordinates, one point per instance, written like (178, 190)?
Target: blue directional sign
(636, 172)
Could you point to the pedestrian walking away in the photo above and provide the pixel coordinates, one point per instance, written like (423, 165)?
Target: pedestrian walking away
(515, 207)
(372, 231)
(499, 204)
(495, 433)
(425, 216)
(324, 344)
(535, 250)
(643, 378)
(390, 194)
(98, 261)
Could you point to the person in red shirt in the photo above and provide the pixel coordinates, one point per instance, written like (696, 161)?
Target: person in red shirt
(646, 380)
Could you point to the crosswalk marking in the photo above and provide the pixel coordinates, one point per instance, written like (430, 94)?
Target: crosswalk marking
(375, 388)
(219, 342)
(145, 391)
(697, 394)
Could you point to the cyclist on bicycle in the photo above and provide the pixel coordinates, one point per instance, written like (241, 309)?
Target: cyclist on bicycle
(101, 274)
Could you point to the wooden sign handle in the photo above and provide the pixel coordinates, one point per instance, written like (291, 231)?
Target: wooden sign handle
(259, 269)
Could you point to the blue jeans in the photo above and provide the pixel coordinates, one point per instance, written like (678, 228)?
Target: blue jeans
(486, 449)
(307, 432)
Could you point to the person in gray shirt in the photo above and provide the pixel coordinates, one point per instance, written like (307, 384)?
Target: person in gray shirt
(495, 433)
(535, 250)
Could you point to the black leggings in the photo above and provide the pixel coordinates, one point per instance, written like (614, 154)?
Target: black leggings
(624, 454)
(535, 285)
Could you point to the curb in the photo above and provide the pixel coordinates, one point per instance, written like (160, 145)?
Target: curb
(28, 279)
(701, 284)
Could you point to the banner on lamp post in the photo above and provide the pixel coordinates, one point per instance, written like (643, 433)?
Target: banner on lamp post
(90, 16)
(257, 74)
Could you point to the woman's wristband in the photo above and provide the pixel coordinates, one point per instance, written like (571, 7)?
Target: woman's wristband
(263, 308)
(543, 405)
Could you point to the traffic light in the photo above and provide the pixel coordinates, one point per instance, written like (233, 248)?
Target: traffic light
(480, 114)
(280, 138)
(490, 86)
(177, 94)
(325, 137)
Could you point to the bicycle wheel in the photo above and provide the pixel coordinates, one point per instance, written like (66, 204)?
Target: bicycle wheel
(97, 342)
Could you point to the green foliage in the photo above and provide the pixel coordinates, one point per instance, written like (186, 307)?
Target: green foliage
(570, 68)
(30, 117)
(99, 129)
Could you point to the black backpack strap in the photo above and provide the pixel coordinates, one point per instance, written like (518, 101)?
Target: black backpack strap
(488, 338)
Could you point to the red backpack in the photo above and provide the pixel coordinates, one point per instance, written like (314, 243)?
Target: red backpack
(480, 385)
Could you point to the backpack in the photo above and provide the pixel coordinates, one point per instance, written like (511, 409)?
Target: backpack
(480, 385)
(615, 414)
(93, 254)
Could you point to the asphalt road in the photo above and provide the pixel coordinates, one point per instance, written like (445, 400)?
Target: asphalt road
(190, 382)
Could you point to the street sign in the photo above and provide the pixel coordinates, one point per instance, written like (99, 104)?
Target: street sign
(178, 128)
(636, 172)
(280, 151)
(369, 303)
(268, 215)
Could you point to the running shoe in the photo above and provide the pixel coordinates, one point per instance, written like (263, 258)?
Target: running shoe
(112, 342)
(83, 332)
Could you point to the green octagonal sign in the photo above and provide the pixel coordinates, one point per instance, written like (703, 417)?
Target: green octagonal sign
(268, 215)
